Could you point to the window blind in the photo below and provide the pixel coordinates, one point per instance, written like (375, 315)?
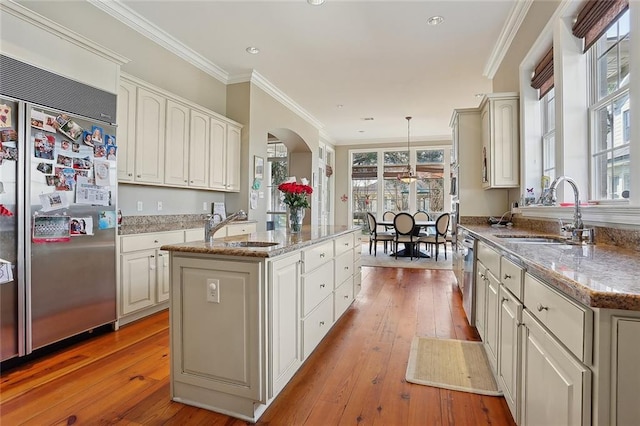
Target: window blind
(595, 17)
(543, 74)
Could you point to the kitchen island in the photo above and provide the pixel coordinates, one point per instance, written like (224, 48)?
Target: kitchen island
(560, 324)
(246, 312)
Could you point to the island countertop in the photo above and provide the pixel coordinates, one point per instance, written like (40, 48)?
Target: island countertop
(599, 276)
(281, 241)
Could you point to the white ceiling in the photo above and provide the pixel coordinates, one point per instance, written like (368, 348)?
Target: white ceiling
(377, 59)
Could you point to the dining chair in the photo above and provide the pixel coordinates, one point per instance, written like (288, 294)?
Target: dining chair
(422, 216)
(375, 236)
(388, 217)
(404, 225)
(440, 237)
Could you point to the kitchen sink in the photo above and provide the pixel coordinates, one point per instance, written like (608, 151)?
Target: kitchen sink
(532, 239)
(250, 244)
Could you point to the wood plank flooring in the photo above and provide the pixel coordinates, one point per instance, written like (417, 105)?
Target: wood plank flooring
(354, 377)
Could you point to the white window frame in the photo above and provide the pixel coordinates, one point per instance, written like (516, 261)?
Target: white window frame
(572, 121)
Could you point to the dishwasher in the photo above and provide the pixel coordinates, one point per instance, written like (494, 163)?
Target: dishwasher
(468, 276)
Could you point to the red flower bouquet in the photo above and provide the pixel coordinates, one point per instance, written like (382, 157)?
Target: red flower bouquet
(295, 194)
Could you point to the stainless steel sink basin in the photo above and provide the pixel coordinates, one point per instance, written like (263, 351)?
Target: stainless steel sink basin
(532, 239)
(250, 244)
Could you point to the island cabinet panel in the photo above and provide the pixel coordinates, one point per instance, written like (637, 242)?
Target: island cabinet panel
(316, 285)
(316, 255)
(344, 267)
(316, 325)
(216, 341)
(284, 312)
(342, 298)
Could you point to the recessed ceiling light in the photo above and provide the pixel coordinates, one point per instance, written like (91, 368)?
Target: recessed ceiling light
(339, 106)
(479, 95)
(253, 50)
(315, 2)
(435, 20)
(360, 131)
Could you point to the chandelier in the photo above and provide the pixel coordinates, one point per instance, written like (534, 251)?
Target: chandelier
(408, 176)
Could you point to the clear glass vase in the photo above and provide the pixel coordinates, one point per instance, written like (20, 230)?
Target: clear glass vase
(296, 214)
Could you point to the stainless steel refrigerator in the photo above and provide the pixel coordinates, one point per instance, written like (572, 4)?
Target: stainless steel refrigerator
(58, 186)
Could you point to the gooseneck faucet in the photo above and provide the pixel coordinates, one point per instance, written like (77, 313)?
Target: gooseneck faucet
(211, 226)
(577, 227)
(550, 199)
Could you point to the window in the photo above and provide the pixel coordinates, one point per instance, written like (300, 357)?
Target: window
(548, 105)
(609, 107)
(375, 187)
(277, 163)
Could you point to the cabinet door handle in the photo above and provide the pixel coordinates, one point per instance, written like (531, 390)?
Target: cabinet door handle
(155, 241)
(504, 299)
(346, 296)
(139, 176)
(346, 267)
(542, 308)
(507, 276)
(152, 257)
(346, 244)
(321, 323)
(130, 174)
(322, 285)
(321, 254)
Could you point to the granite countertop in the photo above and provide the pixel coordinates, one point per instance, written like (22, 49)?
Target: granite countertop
(599, 276)
(285, 242)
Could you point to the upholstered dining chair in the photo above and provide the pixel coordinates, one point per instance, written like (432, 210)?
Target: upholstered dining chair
(375, 236)
(404, 225)
(423, 216)
(440, 237)
(388, 217)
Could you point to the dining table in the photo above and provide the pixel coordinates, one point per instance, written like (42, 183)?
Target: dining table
(408, 249)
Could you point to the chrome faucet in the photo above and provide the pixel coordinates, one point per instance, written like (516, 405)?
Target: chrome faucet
(577, 226)
(211, 226)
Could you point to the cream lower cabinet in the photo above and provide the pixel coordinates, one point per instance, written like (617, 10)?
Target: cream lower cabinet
(144, 273)
(284, 311)
(510, 319)
(556, 388)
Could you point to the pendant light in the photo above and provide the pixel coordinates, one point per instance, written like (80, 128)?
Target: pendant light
(407, 176)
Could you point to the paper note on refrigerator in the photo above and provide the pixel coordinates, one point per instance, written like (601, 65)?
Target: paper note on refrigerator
(89, 193)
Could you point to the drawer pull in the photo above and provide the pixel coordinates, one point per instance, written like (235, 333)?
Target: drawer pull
(152, 256)
(321, 323)
(542, 308)
(507, 276)
(482, 276)
(322, 285)
(155, 241)
(346, 296)
(321, 254)
(346, 244)
(346, 267)
(504, 299)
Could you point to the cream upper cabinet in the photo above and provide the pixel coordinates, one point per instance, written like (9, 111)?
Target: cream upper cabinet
(500, 141)
(166, 140)
(126, 130)
(233, 158)
(218, 155)
(150, 137)
(199, 129)
(176, 163)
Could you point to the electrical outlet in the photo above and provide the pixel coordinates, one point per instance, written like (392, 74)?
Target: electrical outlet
(213, 291)
(139, 206)
(159, 205)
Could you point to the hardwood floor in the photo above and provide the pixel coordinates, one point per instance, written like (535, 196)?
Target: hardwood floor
(355, 376)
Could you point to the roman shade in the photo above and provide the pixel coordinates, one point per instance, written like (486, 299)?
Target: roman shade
(543, 74)
(595, 17)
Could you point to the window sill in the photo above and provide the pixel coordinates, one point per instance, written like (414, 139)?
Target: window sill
(604, 215)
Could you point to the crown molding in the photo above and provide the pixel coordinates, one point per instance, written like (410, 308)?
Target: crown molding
(260, 81)
(28, 15)
(143, 26)
(508, 33)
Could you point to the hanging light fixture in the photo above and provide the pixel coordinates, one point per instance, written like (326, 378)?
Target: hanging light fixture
(408, 176)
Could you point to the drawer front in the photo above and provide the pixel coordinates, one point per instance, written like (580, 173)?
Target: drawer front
(150, 241)
(342, 298)
(194, 234)
(489, 258)
(240, 229)
(564, 318)
(344, 267)
(316, 255)
(512, 277)
(344, 243)
(316, 285)
(317, 325)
